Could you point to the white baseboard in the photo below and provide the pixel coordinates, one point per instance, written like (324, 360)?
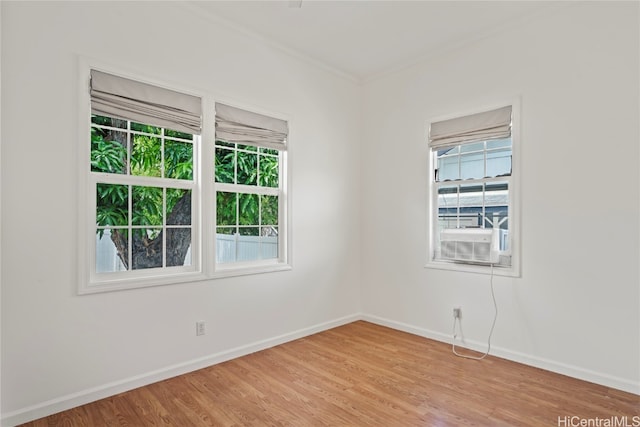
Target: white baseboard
(546, 364)
(91, 395)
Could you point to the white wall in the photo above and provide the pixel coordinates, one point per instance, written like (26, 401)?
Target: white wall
(575, 308)
(60, 349)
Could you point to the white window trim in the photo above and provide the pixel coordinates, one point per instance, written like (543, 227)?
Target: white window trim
(514, 200)
(203, 266)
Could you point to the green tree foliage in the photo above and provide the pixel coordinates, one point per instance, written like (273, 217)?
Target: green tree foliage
(246, 165)
(111, 153)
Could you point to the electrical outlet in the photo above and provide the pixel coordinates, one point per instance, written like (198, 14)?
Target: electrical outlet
(200, 328)
(457, 312)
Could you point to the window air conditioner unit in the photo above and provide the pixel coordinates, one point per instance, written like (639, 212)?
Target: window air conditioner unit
(475, 245)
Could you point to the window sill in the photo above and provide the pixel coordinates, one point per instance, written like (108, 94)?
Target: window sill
(472, 268)
(239, 269)
(121, 284)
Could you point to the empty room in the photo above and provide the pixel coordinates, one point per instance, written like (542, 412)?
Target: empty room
(307, 213)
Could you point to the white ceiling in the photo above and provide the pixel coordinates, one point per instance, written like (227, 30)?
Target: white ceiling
(364, 39)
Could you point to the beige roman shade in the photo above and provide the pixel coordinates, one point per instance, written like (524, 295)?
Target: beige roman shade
(244, 127)
(127, 99)
(492, 124)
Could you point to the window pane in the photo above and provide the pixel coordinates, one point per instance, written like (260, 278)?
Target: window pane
(471, 205)
(472, 165)
(147, 248)
(497, 194)
(112, 205)
(225, 165)
(146, 156)
(474, 146)
(268, 173)
(448, 168)
(499, 162)
(178, 206)
(226, 212)
(147, 205)
(248, 242)
(108, 121)
(269, 210)
(145, 128)
(178, 246)
(178, 158)
(247, 147)
(449, 151)
(225, 244)
(269, 231)
(179, 135)
(269, 242)
(108, 151)
(247, 168)
(249, 231)
(497, 211)
(107, 254)
(248, 209)
(221, 143)
(499, 143)
(448, 207)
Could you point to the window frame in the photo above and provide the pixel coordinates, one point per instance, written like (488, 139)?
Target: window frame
(203, 254)
(514, 198)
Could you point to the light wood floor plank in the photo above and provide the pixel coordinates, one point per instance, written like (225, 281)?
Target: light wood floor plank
(359, 374)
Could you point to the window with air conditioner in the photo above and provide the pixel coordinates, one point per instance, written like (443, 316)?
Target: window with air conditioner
(473, 222)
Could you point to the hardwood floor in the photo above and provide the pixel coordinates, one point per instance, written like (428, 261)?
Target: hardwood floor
(360, 374)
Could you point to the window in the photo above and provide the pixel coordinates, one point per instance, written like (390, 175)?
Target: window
(249, 154)
(145, 192)
(247, 202)
(473, 192)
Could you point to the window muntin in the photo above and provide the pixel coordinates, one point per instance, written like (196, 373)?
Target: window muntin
(143, 181)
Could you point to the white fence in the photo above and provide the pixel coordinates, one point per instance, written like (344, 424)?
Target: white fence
(234, 247)
(229, 248)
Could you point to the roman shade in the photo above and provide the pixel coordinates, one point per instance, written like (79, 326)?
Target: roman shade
(492, 124)
(244, 127)
(127, 99)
